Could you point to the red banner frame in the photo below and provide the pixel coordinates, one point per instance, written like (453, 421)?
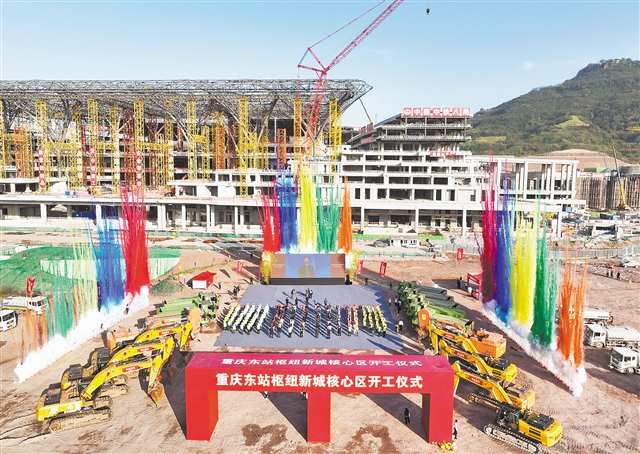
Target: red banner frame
(318, 376)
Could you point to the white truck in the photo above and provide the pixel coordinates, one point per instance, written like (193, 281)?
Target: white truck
(22, 303)
(611, 336)
(8, 319)
(597, 315)
(624, 360)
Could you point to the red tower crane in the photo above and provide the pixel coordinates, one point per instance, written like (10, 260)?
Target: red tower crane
(322, 70)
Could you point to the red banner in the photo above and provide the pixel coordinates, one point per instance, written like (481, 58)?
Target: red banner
(239, 266)
(459, 253)
(383, 269)
(318, 375)
(360, 266)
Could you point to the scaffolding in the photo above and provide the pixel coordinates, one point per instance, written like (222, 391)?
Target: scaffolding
(297, 128)
(76, 159)
(114, 132)
(243, 144)
(281, 148)
(44, 155)
(138, 134)
(21, 140)
(335, 134)
(263, 151)
(168, 138)
(95, 151)
(205, 152)
(218, 139)
(191, 139)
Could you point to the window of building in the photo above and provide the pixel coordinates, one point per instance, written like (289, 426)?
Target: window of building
(382, 194)
(421, 180)
(374, 180)
(441, 181)
(424, 194)
(357, 193)
(398, 180)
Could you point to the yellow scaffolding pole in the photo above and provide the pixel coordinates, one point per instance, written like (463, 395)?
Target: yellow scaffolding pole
(297, 128)
(76, 176)
(3, 146)
(44, 156)
(94, 129)
(243, 144)
(335, 134)
(191, 139)
(219, 136)
(24, 155)
(114, 132)
(138, 134)
(168, 137)
(281, 147)
(263, 151)
(205, 153)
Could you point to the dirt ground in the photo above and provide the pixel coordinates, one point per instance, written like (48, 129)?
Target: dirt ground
(605, 419)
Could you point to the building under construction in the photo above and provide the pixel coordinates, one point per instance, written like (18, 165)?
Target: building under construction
(610, 190)
(202, 152)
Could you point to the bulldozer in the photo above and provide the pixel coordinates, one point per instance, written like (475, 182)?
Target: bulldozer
(89, 402)
(516, 423)
(499, 369)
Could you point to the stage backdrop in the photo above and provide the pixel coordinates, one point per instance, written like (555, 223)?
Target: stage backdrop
(309, 268)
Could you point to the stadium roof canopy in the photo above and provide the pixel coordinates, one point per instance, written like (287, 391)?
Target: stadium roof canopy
(271, 98)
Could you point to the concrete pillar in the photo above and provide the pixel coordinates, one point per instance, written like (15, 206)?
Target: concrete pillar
(242, 216)
(162, 217)
(69, 212)
(552, 179)
(208, 213)
(416, 219)
(43, 212)
(525, 177)
(12, 188)
(362, 217)
(559, 223)
(464, 223)
(183, 216)
(235, 219)
(213, 217)
(98, 213)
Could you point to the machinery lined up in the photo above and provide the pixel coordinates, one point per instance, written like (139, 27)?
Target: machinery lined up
(85, 394)
(476, 357)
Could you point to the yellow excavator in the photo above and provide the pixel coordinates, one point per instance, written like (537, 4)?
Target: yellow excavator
(82, 403)
(490, 344)
(100, 357)
(181, 331)
(516, 424)
(499, 369)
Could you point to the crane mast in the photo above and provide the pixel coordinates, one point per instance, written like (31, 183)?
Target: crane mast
(322, 71)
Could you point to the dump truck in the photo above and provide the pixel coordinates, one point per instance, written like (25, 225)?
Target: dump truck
(8, 319)
(89, 402)
(597, 315)
(599, 336)
(625, 360)
(516, 423)
(23, 303)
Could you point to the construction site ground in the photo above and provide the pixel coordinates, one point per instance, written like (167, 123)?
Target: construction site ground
(604, 419)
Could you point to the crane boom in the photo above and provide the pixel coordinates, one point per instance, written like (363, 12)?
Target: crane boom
(322, 70)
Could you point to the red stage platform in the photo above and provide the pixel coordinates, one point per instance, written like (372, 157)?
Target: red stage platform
(318, 375)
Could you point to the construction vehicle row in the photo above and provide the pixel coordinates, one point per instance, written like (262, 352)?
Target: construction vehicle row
(625, 360)
(597, 315)
(85, 394)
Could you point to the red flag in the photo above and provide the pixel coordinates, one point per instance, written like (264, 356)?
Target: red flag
(383, 268)
(360, 265)
(31, 281)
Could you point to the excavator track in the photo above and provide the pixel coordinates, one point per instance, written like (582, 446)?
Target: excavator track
(511, 438)
(80, 419)
(485, 401)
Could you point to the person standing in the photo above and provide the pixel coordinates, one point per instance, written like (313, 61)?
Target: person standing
(400, 326)
(407, 416)
(455, 430)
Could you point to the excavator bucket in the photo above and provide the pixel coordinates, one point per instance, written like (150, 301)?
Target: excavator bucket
(157, 393)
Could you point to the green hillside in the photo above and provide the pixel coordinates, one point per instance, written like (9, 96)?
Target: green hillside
(600, 104)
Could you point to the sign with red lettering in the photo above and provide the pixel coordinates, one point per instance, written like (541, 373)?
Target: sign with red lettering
(318, 375)
(436, 112)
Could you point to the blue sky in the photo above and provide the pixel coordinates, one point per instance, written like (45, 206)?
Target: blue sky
(467, 53)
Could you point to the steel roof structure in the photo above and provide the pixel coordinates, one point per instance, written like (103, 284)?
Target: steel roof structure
(271, 98)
